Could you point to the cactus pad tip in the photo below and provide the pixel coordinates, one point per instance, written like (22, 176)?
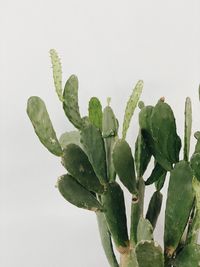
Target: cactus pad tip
(162, 99)
(108, 101)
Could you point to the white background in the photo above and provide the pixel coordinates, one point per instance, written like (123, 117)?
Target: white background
(109, 45)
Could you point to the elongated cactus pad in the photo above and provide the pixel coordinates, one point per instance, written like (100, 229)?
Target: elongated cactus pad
(110, 123)
(154, 208)
(76, 194)
(166, 140)
(72, 137)
(142, 155)
(110, 131)
(70, 102)
(189, 256)
(149, 254)
(124, 165)
(57, 73)
(43, 127)
(144, 230)
(76, 162)
(195, 165)
(95, 112)
(93, 144)
(106, 239)
(179, 203)
(130, 107)
(114, 209)
(194, 229)
(146, 131)
(188, 127)
(157, 172)
(160, 182)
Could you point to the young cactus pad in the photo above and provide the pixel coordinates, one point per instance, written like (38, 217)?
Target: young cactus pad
(100, 166)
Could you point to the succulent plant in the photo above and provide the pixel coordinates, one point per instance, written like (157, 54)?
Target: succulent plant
(98, 160)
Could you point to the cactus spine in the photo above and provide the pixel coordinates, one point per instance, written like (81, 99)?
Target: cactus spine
(94, 155)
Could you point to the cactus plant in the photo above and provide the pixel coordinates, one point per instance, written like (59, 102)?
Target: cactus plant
(99, 161)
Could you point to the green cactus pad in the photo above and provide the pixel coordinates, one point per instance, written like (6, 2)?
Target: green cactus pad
(160, 182)
(110, 131)
(179, 203)
(43, 127)
(95, 112)
(188, 257)
(154, 208)
(76, 162)
(57, 73)
(166, 140)
(110, 124)
(130, 107)
(93, 144)
(76, 194)
(149, 254)
(142, 155)
(124, 165)
(106, 239)
(188, 127)
(70, 102)
(114, 209)
(144, 230)
(146, 131)
(157, 172)
(145, 118)
(194, 229)
(72, 137)
(195, 165)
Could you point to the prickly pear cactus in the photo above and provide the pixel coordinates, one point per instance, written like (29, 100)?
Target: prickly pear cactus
(100, 165)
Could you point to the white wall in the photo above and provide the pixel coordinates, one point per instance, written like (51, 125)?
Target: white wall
(109, 45)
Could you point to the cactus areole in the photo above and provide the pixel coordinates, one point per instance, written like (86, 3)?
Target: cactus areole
(99, 160)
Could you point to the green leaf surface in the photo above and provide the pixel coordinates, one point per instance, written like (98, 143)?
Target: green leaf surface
(144, 230)
(106, 239)
(76, 194)
(72, 137)
(57, 73)
(124, 165)
(160, 182)
(149, 254)
(145, 116)
(43, 127)
(110, 131)
(76, 162)
(154, 208)
(179, 203)
(189, 256)
(194, 232)
(114, 209)
(93, 145)
(188, 128)
(142, 155)
(195, 165)
(157, 172)
(70, 102)
(130, 107)
(166, 141)
(95, 112)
